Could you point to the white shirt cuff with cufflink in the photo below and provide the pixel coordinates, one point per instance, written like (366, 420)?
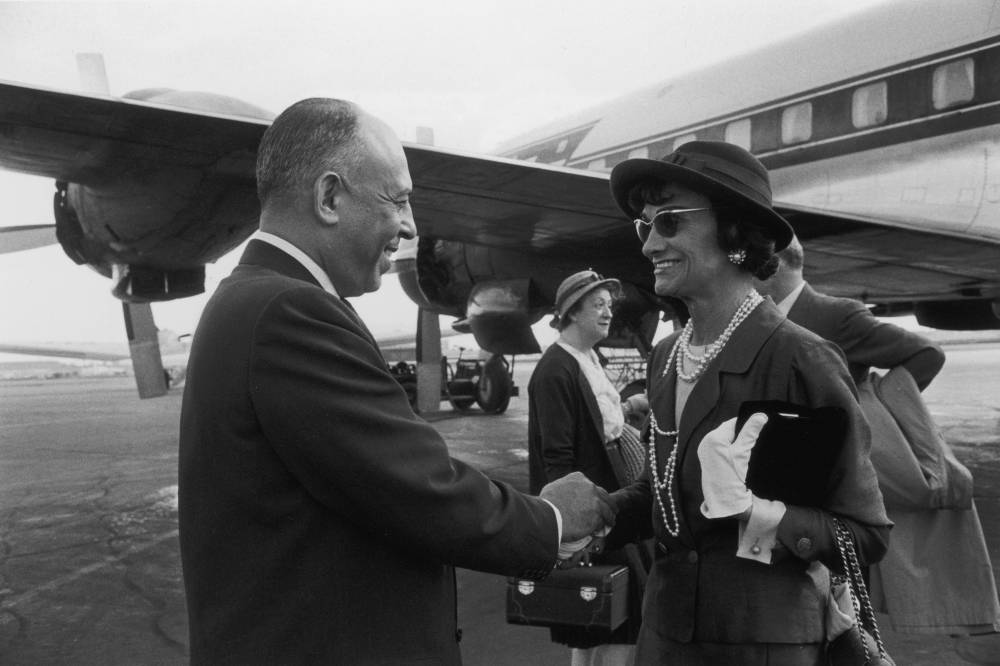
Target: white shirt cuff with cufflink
(758, 535)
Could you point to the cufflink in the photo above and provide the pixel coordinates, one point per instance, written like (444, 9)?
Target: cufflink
(804, 545)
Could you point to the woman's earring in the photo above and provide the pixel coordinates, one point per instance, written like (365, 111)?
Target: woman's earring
(737, 256)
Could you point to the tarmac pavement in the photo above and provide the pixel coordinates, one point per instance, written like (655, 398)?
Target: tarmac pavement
(89, 561)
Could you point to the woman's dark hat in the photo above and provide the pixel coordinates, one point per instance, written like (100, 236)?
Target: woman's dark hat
(578, 285)
(715, 168)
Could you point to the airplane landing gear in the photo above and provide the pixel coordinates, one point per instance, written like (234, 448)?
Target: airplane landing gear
(489, 384)
(495, 386)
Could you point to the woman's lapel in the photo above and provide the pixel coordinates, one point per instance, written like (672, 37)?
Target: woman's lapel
(735, 359)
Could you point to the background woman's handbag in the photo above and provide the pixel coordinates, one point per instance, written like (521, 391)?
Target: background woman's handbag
(591, 597)
(599, 597)
(852, 633)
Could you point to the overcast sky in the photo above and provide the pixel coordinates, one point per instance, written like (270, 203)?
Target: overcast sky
(476, 72)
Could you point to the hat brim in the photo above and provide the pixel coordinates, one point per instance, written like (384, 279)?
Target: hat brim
(626, 175)
(611, 284)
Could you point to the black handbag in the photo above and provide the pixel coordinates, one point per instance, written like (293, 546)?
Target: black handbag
(860, 643)
(579, 594)
(594, 597)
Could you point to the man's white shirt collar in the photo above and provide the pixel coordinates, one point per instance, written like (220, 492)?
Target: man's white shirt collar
(788, 301)
(300, 256)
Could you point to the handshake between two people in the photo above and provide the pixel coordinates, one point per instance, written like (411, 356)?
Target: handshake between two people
(588, 514)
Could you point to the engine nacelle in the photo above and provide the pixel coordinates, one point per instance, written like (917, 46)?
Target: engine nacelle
(500, 315)
(965, 315)
(486, 289)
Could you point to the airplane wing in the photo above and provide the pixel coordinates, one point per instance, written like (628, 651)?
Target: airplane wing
(90, 139)
(86, 139)
(567, 214)
(557, 214)
(81, 351)
(880, 262)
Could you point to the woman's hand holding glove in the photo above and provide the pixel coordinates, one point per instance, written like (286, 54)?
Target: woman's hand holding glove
(724, 467)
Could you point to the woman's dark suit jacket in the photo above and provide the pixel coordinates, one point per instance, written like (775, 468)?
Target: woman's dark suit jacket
(319, 517)
(566, 434)
(565, 426)
(698, 589)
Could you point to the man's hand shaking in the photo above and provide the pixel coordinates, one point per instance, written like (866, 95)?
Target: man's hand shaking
(586, 508)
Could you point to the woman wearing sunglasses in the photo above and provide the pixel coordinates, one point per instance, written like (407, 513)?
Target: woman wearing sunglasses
(737, 578)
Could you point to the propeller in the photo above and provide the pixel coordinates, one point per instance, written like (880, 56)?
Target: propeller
(143, 339)
(28, 237)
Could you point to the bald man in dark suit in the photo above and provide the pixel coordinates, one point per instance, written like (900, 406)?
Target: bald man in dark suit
(320, 519)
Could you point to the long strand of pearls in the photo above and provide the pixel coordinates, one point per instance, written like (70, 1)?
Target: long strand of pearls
(752, 300)
(669, 474)
(677, 353)
(669, 469)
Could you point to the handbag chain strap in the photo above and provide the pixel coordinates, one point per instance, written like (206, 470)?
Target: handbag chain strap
(859, 593)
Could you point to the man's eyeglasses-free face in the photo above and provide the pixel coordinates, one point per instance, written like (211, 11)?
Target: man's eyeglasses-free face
(665, 221)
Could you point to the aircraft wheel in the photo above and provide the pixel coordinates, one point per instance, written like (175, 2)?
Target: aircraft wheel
(495, 386)
(461, 404)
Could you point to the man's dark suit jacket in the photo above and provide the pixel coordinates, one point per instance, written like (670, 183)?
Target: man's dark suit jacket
(865, 341)
(319, 517)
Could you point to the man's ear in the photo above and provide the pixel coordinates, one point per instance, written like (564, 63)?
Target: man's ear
(328, 193)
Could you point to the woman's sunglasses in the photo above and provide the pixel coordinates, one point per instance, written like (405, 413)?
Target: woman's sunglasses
(665, 222)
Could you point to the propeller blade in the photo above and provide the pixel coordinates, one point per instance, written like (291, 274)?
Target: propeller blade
(16, 239)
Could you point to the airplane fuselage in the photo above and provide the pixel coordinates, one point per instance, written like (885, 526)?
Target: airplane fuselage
(890, 117)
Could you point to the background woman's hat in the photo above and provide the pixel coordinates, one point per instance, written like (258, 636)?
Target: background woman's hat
(715, 168)
(577, 285)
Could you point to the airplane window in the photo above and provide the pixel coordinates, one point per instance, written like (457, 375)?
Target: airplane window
(796, 123)
(953, 83)
(738, 132)
(869, 105)
(681, 140)
(597, 165)
(561, 148)
(642, 151)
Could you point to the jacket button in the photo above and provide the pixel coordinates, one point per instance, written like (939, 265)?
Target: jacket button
(804, 545)
(693, 557)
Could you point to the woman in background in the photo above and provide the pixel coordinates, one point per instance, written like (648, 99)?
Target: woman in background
(576, 422)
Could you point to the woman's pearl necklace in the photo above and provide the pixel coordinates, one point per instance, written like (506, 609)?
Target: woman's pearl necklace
(683, 344)
(669, 474)
(677, 352)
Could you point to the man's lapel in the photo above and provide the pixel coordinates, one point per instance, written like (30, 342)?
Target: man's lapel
(259, 253)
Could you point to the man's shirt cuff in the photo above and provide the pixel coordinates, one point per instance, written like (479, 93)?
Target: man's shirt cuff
(558, 520)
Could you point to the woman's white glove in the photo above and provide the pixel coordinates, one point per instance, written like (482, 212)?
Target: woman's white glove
(724, 467)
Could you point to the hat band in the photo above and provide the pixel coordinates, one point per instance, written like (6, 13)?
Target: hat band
(736, 177)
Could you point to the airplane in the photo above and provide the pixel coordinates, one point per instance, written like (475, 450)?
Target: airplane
(879, 132)
(175, 349)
